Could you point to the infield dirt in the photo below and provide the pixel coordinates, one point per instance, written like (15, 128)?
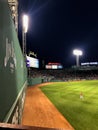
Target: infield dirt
(40, 112)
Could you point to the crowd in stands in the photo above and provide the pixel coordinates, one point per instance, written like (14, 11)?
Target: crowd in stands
(64, 74)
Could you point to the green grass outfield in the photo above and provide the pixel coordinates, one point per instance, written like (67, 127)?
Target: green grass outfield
(82, 114)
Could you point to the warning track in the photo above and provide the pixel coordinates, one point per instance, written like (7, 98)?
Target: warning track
(40, 112)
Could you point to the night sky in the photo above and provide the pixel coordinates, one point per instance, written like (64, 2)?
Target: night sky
(56, 27)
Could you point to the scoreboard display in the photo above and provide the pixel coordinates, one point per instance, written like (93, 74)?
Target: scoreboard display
(32, 62)
(54, 66)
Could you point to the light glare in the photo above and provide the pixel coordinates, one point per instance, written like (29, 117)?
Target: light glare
(25, 23)
(77, 52)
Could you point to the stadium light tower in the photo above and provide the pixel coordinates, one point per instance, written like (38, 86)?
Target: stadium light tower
(24, 31)
(77, 53)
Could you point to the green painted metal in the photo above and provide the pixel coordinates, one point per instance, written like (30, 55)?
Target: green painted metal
(34, 81)
(13, 72)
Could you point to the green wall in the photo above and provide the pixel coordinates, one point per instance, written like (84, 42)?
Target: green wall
(34, 81)
(13, 73)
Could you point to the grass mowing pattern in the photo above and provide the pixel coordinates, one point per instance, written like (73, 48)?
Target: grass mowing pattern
(82, 114)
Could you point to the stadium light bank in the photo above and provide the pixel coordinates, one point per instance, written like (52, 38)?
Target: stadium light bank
(24, 31)
(77, 53)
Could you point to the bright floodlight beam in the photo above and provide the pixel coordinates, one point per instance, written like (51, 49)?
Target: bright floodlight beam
(24, 31)
(77, 53)
(25, 23)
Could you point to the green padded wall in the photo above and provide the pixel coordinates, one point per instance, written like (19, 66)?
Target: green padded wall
(13, 73)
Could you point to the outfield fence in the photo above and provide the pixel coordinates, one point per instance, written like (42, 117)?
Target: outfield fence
(13, 72)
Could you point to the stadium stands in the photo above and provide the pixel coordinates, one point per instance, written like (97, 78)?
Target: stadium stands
(64, 74)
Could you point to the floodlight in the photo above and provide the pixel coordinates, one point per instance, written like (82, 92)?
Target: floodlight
(77, 53)
(24, 31)
(25, 23)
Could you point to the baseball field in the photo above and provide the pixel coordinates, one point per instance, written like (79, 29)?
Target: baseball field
(77, 101)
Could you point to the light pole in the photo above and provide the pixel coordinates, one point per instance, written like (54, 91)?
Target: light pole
(24, 31)
(77, 53)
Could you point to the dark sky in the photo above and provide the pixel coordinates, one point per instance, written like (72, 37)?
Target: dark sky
(56, 27)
